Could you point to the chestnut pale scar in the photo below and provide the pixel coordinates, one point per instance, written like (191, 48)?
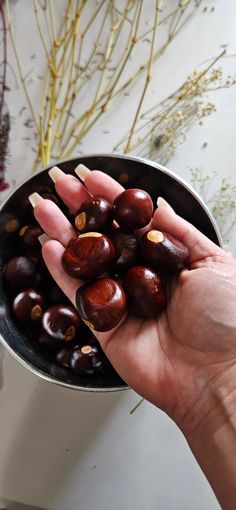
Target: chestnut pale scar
(87, 323)
(155, 236)
(86, 349)
(36, 312)
(80, 220)
(90, 234)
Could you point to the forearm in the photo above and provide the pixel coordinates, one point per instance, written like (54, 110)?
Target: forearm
(213, 443)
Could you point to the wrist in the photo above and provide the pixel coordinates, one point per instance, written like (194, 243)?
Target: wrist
(211, 434)
(215, 409)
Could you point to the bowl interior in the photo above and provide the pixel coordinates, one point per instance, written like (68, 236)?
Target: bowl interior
(130, 172)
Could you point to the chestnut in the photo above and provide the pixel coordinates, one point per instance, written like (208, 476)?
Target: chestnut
(162, 250)
(20, 272)
(28, 306)
(133, 209)
(9, 223)
(94, 215)
(29, 235)
(60, 323)
(63, 357)
(126, 249)
(101, 303)
(9, 226)
(88, 255)
(144, 290)
(86, 360)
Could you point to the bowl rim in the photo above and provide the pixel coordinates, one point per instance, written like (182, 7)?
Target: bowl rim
(114, 155)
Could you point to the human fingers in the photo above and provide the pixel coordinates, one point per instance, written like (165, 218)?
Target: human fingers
(200, 247)
(73, 192)
(69, 188)
(51, 219)
(99, 183)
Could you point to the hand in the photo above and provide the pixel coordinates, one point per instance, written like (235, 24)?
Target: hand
(175, 360)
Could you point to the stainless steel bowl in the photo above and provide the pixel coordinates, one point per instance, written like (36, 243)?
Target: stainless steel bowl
(131, 172)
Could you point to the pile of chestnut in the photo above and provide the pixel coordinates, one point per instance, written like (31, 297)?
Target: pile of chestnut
(39, 307)
(123, 270)
(120, 268)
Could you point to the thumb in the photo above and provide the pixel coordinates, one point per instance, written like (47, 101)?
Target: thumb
(199, 246)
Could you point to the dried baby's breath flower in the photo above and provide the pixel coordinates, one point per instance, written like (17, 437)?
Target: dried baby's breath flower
(163, 127)
(220, 196)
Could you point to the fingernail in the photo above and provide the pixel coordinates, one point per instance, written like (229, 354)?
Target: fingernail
(34, 199)
(55, 173)
(162, 202)
(82, 171)
(88, 324)
(43, 239)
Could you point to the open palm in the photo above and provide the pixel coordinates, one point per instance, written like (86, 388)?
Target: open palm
(173, 359)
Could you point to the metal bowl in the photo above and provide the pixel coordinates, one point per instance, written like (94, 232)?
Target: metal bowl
(131, 172)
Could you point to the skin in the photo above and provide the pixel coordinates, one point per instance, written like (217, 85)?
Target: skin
(185, 359)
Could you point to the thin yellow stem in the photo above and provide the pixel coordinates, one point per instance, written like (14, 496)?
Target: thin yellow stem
(61, 99)
(102, 74)
(41, 148)
(54, 96)
(78, 75)
(179, 98)
(42, 37)
(105, 105)
(79, 137)
(148, 78)
(53, 22)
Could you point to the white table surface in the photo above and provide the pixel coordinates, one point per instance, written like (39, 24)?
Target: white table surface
(62, 449)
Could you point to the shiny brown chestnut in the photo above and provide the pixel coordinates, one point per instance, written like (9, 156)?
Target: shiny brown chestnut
(63, 357)
(28, 306)
(60, 323)
(20, 272)
(163, 251)
(9, 224)
(101, 303)
(126, 249)
(94, 215)
(86, 360)
(88, 256)
(133, 209)
(145, 293)
(29, 235)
